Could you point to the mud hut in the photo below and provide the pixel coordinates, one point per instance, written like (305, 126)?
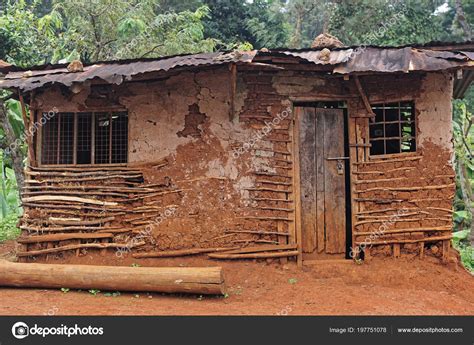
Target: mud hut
(310, 154)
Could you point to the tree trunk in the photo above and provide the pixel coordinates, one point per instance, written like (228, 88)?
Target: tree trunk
(199, 280)
(13, 147)
(467, 196)
(461, 17)
(296, 39)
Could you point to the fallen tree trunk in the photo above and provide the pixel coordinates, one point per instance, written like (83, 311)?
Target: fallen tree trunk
(200, 280)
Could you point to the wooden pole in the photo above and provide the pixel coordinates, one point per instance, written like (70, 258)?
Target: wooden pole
(176, 253)
(370, 112)
(297, 186)
(29, 141)
(233, 90)
(200, 280)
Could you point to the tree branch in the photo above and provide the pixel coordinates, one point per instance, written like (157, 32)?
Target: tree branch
(461, 17)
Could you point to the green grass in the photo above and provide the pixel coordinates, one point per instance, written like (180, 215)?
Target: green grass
(8, 229)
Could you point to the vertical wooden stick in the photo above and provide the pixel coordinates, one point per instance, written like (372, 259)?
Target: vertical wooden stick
(297, 185)
(233, 89)
(446, 247)
(396, 250)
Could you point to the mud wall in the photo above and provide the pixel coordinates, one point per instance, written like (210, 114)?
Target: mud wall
(403, 204)
(226, 178)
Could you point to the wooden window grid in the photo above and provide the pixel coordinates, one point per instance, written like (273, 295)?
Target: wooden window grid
(394, 128)
(85, 138)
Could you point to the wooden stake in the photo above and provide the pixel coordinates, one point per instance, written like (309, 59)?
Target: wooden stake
(396, 250)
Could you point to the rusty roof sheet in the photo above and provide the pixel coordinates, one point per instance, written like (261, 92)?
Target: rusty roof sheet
(344, 60)
(116, 72)
(335, 57)
(403, 60)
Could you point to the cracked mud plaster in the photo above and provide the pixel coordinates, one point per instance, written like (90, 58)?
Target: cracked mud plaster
(192, 122)
(434, 109)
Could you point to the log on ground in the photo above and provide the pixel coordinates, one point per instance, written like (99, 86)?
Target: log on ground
(199, 280)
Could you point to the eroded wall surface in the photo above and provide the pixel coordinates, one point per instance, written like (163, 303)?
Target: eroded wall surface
(227, 177)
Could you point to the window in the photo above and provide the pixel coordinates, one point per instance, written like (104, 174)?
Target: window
(393, 130)
(85, 138)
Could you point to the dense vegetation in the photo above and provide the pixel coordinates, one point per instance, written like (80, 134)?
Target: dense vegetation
(50, 31)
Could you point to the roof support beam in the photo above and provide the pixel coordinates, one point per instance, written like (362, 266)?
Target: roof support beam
(364, 98)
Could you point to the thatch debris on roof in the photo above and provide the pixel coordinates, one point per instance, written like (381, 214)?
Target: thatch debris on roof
(75, 66)
(326, 40)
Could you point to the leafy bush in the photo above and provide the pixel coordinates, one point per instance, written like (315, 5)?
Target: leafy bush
(8, 229)
(461, 243)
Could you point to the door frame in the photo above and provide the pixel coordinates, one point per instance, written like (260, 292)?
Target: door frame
(297, 177)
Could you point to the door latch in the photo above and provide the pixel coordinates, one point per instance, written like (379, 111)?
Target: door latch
(339, 164)
(340, 167)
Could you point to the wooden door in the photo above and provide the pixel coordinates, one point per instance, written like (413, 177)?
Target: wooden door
(322, 178)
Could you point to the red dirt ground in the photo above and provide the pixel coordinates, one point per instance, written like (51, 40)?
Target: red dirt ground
(381, 287)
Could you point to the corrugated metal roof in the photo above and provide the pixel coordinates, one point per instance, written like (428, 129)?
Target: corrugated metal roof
(314, 56)
(403, 60)
(116, 72)
(346, 60)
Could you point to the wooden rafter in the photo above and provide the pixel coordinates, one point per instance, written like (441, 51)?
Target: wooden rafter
(364, 98)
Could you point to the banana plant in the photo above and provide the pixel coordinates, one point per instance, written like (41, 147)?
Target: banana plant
(11, 156)
(9, 193)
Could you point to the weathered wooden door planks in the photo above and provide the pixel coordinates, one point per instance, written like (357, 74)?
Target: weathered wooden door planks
(323, 193)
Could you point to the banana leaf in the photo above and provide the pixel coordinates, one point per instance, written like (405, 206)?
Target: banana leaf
(14, 116)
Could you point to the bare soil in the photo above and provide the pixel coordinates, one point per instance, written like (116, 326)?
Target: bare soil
(380, 287)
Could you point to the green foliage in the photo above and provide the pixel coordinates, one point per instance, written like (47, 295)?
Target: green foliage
(26, 38)
(15, 118)
(463, 133)
(112, 294)
(109, 29)
(385, 22)
(9, 203)
(94, 292)
(8, 229)
(466, 251)
(307, 19)
(262, 23)
(267, 24)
